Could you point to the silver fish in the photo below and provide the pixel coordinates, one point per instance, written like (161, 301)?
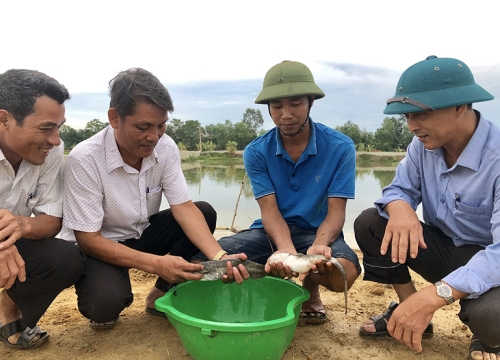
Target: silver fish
(301, 263)
(215, 269)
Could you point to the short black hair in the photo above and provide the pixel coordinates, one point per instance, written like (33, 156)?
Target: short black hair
(137, 85)
(19, 89)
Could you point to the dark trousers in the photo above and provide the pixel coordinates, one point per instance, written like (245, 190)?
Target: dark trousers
(104, 290)
(52, 265)
(441, 257)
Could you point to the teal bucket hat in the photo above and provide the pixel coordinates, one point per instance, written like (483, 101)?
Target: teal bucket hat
(288, 79)
(435, 83)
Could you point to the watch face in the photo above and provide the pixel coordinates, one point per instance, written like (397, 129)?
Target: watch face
(444, 291)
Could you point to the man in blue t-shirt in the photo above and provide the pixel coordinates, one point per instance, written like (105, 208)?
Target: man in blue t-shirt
(302, 174)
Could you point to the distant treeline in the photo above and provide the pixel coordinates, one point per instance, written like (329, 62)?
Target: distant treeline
(392, 135)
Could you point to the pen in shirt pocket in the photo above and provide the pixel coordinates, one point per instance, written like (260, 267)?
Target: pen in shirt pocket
(457, 200)
(30, 196)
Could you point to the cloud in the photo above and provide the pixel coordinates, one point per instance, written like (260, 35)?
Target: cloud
(354, 93)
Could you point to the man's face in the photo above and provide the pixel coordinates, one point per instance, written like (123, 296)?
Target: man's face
(138, 134)
(289, 114)
(39, 133)
(435, 128)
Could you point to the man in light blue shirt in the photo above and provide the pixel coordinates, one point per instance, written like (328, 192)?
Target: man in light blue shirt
(452, 168)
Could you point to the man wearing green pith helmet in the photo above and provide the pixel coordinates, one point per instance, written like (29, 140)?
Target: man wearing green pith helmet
(302, 173)
(451, 168)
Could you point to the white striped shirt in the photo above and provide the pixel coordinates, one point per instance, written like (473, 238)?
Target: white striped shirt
(35, 189)
(102, 193)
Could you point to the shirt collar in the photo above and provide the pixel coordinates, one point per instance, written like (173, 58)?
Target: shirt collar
(473, 152)
(311, 145)
(114, 159)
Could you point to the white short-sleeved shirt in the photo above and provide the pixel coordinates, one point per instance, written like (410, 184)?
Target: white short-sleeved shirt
(35, 189)
(102, 193)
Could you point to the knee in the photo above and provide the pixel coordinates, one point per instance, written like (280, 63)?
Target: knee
(209, 213)
(103, 306)
(65, 260)
(482, 315)
(364, 219)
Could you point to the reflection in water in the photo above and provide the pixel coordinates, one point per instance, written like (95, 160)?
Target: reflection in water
(220, 185)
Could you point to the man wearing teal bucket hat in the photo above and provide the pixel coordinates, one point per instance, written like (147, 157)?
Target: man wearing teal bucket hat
(302, 174)
(452, 168)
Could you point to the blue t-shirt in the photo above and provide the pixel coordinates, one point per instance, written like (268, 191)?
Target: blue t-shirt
(326, 168)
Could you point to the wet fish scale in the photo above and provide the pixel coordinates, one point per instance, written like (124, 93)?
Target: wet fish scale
(216, 269)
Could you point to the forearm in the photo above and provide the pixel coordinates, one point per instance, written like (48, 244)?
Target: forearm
(193, 223)
(40, 227)
(113, 252)
(330, 228)
(278, 231)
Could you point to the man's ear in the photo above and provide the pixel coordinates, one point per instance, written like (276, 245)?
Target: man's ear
(4, 119)
(114, 118)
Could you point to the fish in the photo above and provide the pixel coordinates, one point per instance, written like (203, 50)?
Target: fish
(216, 269)
(301, 263)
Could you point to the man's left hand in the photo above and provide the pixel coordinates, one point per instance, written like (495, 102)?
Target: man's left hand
(411, 318)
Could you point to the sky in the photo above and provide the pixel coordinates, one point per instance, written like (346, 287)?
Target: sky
(212, 55)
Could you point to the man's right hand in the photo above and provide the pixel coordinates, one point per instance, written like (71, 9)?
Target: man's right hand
(175, 269)
(404, 231)
(12, 228)
(11, 267)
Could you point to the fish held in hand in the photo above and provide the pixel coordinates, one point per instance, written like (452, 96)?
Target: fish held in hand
(301, 263)
(216, 269)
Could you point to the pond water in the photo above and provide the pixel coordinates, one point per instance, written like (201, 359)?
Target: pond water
(228, 190)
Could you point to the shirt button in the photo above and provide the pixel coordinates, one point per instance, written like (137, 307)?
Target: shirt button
(442, 201)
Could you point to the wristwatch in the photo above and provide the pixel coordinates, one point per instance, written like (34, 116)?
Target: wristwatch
(444, 291)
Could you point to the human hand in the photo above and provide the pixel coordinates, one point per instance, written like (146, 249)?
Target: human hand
(320, 266)
(11, 267)
(176, 269)
(403, 231)
(12, 228)
(233, 273)
(277, 268)
(410, 319)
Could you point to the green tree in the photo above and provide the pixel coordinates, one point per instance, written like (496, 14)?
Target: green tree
(220, 134)
(242, 135)
(392, 135)
(253, 120)
(231, 147)
(93, 127)
(70, 136)
(351, 130)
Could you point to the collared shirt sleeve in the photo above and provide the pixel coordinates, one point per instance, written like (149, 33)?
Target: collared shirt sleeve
(406, 184)
(49, 186)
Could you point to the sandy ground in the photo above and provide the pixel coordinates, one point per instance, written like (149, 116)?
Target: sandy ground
(143, 336)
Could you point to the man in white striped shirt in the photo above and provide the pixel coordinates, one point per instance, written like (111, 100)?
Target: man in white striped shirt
(34, 266)
(114, 183)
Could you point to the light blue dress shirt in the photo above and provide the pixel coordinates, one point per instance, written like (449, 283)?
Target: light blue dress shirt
(463, 201)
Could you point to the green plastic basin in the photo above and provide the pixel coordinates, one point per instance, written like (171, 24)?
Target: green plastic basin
(217, 321)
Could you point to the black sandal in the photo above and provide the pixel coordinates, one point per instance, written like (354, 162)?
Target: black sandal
(380, 322)
(24, 341)
(478, 345)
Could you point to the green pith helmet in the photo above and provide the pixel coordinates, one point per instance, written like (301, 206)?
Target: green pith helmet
(435, 83)
(287, 79)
